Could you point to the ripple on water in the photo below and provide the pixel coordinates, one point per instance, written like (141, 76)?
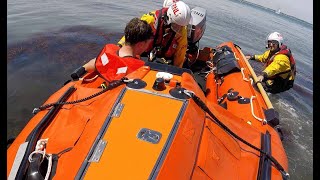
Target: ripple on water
(288, 107)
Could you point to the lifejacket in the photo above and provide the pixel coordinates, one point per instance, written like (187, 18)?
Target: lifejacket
(278, 83)
(112, 49)
(111, 67)
(165, 43)
(285, 51)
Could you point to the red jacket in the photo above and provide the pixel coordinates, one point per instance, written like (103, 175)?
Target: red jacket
(112, 67)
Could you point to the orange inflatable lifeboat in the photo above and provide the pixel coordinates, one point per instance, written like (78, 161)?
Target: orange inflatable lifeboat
(157, 123)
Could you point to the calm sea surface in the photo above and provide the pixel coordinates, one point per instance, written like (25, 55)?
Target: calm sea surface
(47, 40)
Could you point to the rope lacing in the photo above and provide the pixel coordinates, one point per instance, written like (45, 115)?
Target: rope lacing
(112, 85)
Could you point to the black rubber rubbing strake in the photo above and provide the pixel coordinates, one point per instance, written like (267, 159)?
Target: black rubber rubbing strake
(37, 132)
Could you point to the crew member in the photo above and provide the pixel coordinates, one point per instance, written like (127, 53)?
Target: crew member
(280, 66)
(170, 31)
(114, 62)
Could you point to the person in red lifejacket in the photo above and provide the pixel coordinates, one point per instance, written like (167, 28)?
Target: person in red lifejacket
(114, 62)
(169, 26)
(280, 66)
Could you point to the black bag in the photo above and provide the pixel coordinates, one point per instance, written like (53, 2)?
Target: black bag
(225, 61)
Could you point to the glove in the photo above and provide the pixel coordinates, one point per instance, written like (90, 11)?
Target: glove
(250, 57)
(78, 73)
(205, 54)
(260, 78)
(263, 77)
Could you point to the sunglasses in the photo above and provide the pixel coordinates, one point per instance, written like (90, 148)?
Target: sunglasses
(272, 43)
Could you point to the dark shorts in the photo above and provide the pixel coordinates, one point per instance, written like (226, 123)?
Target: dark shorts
(278, 85)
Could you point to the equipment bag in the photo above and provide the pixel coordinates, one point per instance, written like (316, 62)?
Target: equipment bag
(225, 61)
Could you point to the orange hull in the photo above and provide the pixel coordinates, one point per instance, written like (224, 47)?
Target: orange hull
(105, 137)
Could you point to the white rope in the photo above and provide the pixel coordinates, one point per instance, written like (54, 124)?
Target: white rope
(210, 64)
(128, 80)
(40, 148)
(49, 157)
(88, 80)
(259, 119)
(235, 55)
(243, 76)
(188, 92)
(212, 68)
(251, 102)
(198, 53)
(34, 152)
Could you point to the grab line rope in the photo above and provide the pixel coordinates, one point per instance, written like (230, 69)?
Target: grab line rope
(88, 80)
(243, 76)
(264, 121)
(112, 85)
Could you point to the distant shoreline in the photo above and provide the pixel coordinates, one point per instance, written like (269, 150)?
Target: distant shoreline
(274, 11)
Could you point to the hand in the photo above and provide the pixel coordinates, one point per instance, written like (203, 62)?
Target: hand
(191, 58)
(249, 57)
(205, 54)
(260, 78)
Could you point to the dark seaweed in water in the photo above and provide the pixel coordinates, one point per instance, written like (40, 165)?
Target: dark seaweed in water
(72, 44)
(41, 64)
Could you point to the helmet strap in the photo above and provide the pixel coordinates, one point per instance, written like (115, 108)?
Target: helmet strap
(165, 19)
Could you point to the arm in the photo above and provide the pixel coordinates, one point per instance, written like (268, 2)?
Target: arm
(259, 57)
(281, 63)
(90, 66)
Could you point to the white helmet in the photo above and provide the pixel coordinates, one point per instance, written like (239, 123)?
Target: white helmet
(275, 36)
(168, 3)
(179, 13)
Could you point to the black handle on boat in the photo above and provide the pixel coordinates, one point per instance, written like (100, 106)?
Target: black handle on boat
(37, 132)
(34, 168)
(78, 73)
(203, 106)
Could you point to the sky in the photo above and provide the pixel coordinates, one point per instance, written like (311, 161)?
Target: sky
(302, 9)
